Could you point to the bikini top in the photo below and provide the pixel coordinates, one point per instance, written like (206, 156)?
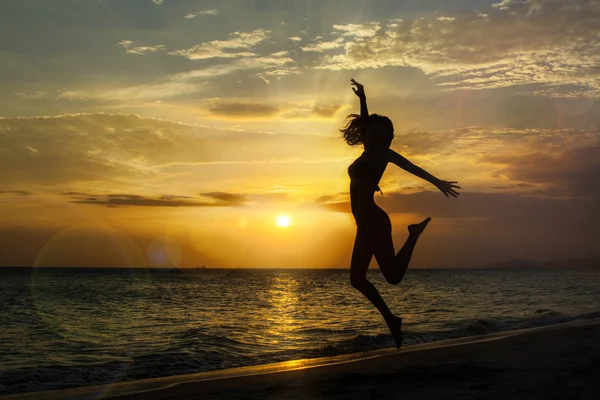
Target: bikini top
(361, 169)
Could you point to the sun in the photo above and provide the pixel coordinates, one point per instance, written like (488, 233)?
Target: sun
(283, 221)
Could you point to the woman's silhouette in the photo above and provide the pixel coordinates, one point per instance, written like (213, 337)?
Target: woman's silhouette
(374, 228)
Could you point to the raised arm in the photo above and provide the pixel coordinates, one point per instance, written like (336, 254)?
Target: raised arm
(447, 188)
(360, 92)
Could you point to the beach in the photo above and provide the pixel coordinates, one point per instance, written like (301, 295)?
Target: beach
(553, 362)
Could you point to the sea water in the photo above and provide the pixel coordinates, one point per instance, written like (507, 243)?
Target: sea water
(64, 328)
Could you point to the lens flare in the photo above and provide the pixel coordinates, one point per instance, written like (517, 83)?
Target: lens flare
(163, 253)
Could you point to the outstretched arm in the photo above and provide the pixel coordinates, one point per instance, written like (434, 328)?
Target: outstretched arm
(360, 92)
(447, 188)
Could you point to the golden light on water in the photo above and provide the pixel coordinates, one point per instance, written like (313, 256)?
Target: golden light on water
(283, 221)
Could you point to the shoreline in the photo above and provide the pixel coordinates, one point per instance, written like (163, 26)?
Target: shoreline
(568, 345)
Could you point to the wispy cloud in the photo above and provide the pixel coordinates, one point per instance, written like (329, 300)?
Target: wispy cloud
(358, 30)
(226, 48)
(317, 111)
(551, 44)
(118, 151)
(201, 13)
(183, 83)
(36, 95)
(237, 47)
(504, 5)
(324, 46)
(132, 48)
(227, 198)
(244, 109)
(217, 199)
(17, 192)
(76, 152)
(251, 109)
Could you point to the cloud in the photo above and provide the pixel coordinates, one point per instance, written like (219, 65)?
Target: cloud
(278, 73)
(324, 46)
(158, 2)
(572, 172)
(192, 81)
(358, 30)
(549, 162)
(244, 109)
(74, 153)
(17, 192)
(75, 95)
(219, 199)
(201, 13)
(223, 48)
(227, 198)
(82, 151)
(37, 95)
(327, 111)
(504, 5)
(295, 38)
(251, 109)
(183, 83)
(518, 43)
(317, 111)
(172, 86)
(131, 48)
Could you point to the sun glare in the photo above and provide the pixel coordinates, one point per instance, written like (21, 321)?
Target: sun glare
(283, 221)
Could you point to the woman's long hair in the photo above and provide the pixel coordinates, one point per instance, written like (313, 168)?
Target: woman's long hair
(355, 131)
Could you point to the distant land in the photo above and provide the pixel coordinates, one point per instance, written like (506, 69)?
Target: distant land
(587, 264)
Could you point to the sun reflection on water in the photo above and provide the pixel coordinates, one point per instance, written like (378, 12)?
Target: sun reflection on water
(283, 299)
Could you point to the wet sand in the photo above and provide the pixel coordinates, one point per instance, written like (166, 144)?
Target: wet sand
(555, 362)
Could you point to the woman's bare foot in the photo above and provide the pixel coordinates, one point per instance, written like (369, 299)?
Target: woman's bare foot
(395, 325)
(417, 229)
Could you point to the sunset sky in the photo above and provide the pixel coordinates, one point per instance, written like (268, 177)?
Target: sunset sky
(178, 132)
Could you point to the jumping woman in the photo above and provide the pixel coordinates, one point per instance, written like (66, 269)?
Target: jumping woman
(374, 229)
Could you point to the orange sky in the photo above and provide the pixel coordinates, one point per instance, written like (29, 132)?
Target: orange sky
(169, 133)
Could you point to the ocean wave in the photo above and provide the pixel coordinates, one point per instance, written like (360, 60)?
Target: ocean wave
(357, 344)
(195, 350)
(324, 331)
(540, 317)
(165, 363)
(362, 343)
(589, 315)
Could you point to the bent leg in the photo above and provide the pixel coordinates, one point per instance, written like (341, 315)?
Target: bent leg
(361, 257)
(394, 266)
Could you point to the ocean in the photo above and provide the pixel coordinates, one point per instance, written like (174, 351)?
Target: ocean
(64, 328)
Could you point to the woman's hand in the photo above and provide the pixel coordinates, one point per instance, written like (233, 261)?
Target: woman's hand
(360, 89)
(448, 188)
